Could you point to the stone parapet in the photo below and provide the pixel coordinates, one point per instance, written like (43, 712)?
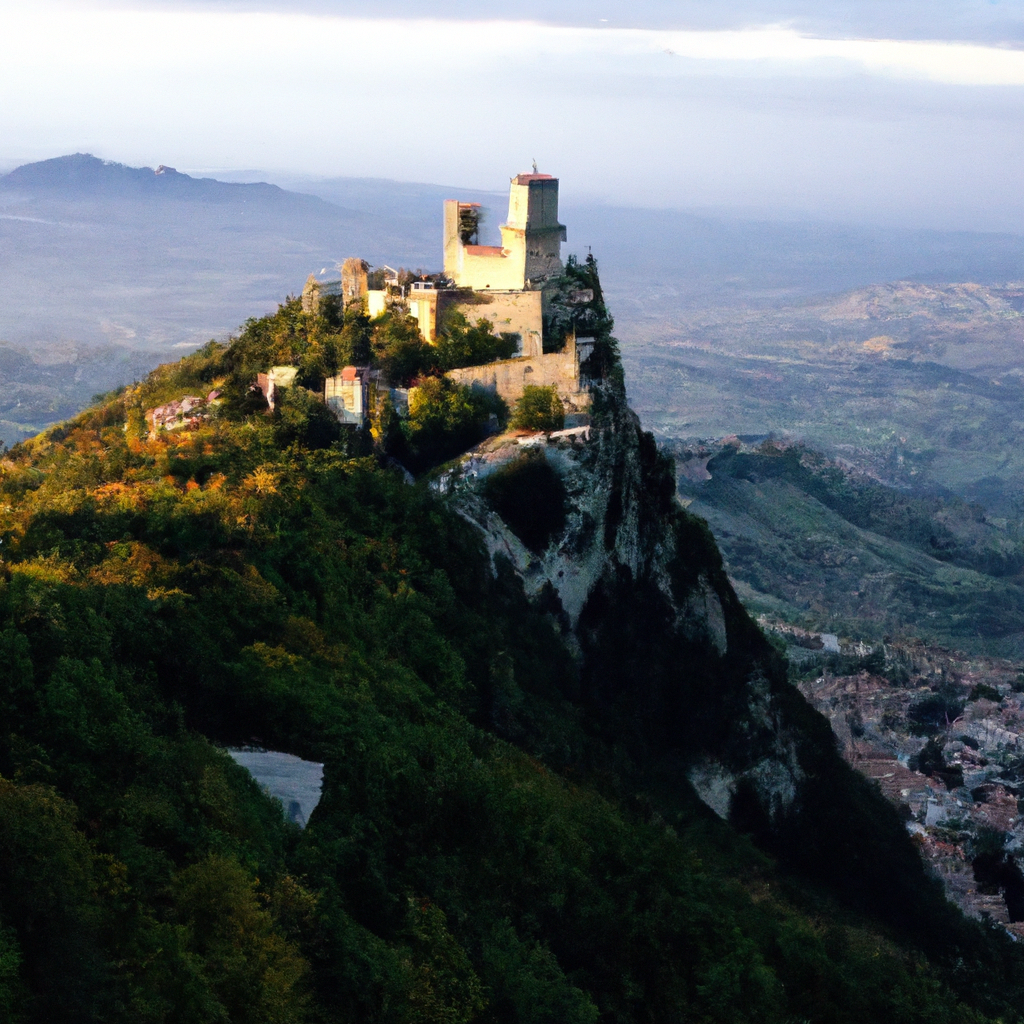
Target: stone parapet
(508, 378)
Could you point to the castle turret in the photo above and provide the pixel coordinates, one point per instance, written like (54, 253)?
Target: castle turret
(533, 217)
(531, 240)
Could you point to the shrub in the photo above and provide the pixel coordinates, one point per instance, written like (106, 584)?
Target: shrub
(982, 691)
(354, 341)
(445, 419)
(398, 350)
(301, 416)
(934, 713)
(460, 344)
(540, 408)
(530, 496)
(566, 314)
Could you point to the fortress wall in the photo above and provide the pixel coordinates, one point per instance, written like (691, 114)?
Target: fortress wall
(516, 312)
(509, 377)
(486, 272)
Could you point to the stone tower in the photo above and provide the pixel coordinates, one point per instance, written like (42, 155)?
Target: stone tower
(531, 240)
(353, 280)
(533, 218)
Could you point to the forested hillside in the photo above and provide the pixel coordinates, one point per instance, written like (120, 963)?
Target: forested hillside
(506, 831)
(821, 545)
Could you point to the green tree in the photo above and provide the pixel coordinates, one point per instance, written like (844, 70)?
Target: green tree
(354, 348)
(460, 343)
(301, 416)
(12, 995)
(398, 349)
(47, 895)
(540, 408)
(253, 972)
(443, 987)
(530, 496)
(445, 419)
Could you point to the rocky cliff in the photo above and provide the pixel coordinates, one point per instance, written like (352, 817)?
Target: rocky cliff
(669, 663)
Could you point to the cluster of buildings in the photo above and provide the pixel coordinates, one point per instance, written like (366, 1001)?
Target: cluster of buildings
(509, 285)
(188, 411)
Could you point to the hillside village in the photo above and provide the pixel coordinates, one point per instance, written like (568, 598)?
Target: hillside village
(940, 733)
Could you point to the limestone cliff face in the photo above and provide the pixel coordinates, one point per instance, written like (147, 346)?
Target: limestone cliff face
(589, 521)
(671, 669)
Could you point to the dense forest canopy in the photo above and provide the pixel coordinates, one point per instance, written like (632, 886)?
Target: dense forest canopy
(485, 850)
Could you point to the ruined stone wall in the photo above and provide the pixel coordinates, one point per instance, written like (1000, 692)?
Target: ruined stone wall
(353, 280)
(509, 377)
(311, 295)
(314, 292)
(516, 312)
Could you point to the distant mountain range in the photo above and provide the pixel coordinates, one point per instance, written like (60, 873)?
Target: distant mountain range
(98, 252)
(83, 176)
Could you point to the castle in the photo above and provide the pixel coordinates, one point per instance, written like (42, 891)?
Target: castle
(509, 284)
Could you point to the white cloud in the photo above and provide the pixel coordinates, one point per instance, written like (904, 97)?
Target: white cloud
(65, 38)
(786, 50)
(766, 117)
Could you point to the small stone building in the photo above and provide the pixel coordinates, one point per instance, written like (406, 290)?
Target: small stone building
(347, 395)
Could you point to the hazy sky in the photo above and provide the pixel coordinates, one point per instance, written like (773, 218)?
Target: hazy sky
(895, 112)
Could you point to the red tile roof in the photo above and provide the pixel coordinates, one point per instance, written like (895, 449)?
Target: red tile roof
(485, 250)
(350, 373)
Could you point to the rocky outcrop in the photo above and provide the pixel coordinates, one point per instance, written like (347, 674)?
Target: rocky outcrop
(638, 587)
(671, 669)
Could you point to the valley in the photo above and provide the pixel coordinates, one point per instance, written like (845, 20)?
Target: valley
(919, 385)
(830, 547)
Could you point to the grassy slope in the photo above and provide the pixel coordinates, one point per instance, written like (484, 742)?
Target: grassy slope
(232, 583)
(833, 550)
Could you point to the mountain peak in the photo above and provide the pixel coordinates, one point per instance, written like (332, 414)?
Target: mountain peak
(82, 174)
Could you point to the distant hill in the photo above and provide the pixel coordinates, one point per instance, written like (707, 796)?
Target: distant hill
(919, 384)
(98, 252)
(84, 175)
(811, 541)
